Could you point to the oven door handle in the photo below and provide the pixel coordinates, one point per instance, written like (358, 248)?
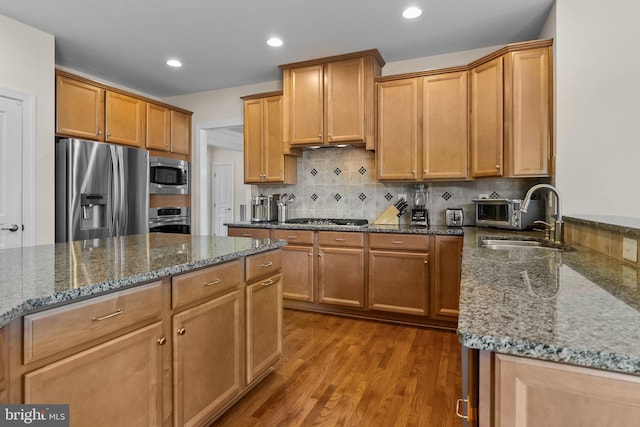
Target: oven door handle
(180, 221)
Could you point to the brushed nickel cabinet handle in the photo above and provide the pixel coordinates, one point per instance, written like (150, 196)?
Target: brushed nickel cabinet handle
(340, 239)
(247, 234)
(268, 283)
(108, 316)
(213, 282)
(459, 404)
(292, 237)
(397, 242)
(162, 340)
(269, 264)
(182, 331)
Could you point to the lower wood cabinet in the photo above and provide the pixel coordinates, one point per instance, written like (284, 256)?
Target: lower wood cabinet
(208, 356)
(254, 233)
(445, 287)
(341, 268)
(117, 383)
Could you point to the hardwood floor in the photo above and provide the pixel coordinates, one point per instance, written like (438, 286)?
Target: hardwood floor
(338, 371)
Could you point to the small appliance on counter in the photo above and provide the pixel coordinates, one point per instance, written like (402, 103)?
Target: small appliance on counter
(282, 201)
(263, 209)
(454, 217)
(505, 213)
(419, 212)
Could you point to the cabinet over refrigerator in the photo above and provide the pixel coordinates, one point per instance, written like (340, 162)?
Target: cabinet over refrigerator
(101, 190)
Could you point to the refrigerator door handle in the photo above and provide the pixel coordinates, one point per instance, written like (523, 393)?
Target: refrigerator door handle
(122, 212)
(115, 197)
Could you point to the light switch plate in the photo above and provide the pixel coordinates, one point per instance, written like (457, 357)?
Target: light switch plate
(630, 249)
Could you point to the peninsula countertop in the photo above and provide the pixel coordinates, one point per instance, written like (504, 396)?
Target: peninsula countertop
(578, 307)
(37, 277)
(367, 228)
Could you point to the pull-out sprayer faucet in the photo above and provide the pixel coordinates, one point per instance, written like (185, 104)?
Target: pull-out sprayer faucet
(558, 229)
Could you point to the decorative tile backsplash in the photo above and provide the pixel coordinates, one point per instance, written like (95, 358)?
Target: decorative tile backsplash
(341, 183)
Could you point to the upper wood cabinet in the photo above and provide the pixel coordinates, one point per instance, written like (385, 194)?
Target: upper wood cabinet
(510, 112)
(158, 127)
(180, 132)
(422, 127)
(264, 159)
(79, 109)
(331, 100)
(126, 119)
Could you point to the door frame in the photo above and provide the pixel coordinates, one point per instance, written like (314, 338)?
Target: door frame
(28, 162)
(233, 190)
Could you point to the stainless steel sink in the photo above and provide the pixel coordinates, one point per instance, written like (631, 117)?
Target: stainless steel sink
(506, 244)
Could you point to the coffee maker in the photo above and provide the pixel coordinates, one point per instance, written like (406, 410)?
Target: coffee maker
(419, 211)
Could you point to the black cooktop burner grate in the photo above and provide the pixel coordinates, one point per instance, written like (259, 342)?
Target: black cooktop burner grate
(328, 221)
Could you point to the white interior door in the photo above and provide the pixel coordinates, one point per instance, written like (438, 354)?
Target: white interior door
(222, 175)
(10, 173)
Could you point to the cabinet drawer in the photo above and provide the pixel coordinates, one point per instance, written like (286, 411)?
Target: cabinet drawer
(414, 242)
(264, 264)
(294, 237)
(254, 233)
(59, 329)
(340, 238)
(201, 284)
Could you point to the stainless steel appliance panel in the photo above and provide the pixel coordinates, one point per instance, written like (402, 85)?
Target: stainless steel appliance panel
(170, 220)
(101, 190)
(168, 176)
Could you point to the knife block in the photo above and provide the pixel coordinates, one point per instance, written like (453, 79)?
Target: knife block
(388, 217)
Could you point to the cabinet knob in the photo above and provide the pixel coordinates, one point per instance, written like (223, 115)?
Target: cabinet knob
(182, 331)
(497, 166)
(166, 145)
(162, 340)
(413, 172)
(99, 132)
(108, 133)
(319, 135)
(424, 171)
(320, 254)
(310, 254)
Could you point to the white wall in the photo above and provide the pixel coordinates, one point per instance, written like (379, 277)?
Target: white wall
(598, 106)
(435, 62)
(27, 56)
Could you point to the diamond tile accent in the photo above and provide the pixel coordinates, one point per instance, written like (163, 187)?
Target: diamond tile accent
(313, 172)
(292, 197)
(337, 197)
(446, 195)
(494, 195)
(362, 196)
(388, 196)
(314, 197)
(337, 171)
(362, 170)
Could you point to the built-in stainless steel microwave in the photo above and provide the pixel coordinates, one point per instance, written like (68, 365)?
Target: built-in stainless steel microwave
(168, 176)
(505, 213)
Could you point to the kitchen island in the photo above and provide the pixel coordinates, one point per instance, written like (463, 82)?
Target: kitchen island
(558, 333)
(152, 329)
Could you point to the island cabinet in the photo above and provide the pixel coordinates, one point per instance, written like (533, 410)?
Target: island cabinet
(264, 158)
(106, 357)
(399, 273)
(521, 391)
(254, 233)
(331, 100)
(264, 313)
(447, 268)
(208, 349)
(510, 112)
(297, 264)
(341, 268)
(422, 126)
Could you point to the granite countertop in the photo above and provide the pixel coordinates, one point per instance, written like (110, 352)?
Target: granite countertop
(578, 307)
(37, 277)
(368, 228)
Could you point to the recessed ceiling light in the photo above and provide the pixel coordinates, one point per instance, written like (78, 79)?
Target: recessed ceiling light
(274, 42)
(412, 12)
(174, 63)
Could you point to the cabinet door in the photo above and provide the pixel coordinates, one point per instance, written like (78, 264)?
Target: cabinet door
(487, 119)
(158, 127)
(125, 119)
(396, 155)
(253, 152)
(273, 148)
(306, 105)
(445, 289)
(297, 271)
(341, 276)
(528, 112)
(180, 132)
(264, 325)
(444, 126)
(208, 358)
(399, 282)
(118, 383)
(79, 109)
(344, 103)
(539, 393)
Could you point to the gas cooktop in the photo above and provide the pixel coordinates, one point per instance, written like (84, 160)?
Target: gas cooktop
(328, 221)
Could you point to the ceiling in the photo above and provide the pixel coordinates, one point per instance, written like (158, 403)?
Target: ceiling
(222, 43)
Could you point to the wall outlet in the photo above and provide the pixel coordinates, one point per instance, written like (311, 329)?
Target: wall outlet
(402, 196)
(630, 249)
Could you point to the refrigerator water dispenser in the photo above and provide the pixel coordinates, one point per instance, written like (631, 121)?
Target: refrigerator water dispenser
(94, 211)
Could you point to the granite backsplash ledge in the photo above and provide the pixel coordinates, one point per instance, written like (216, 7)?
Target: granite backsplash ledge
(341, 183)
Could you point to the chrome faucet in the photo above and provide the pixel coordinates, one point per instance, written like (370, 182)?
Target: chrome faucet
(557, 230)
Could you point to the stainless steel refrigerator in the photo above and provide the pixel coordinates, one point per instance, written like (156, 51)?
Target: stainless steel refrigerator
(102, 190)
